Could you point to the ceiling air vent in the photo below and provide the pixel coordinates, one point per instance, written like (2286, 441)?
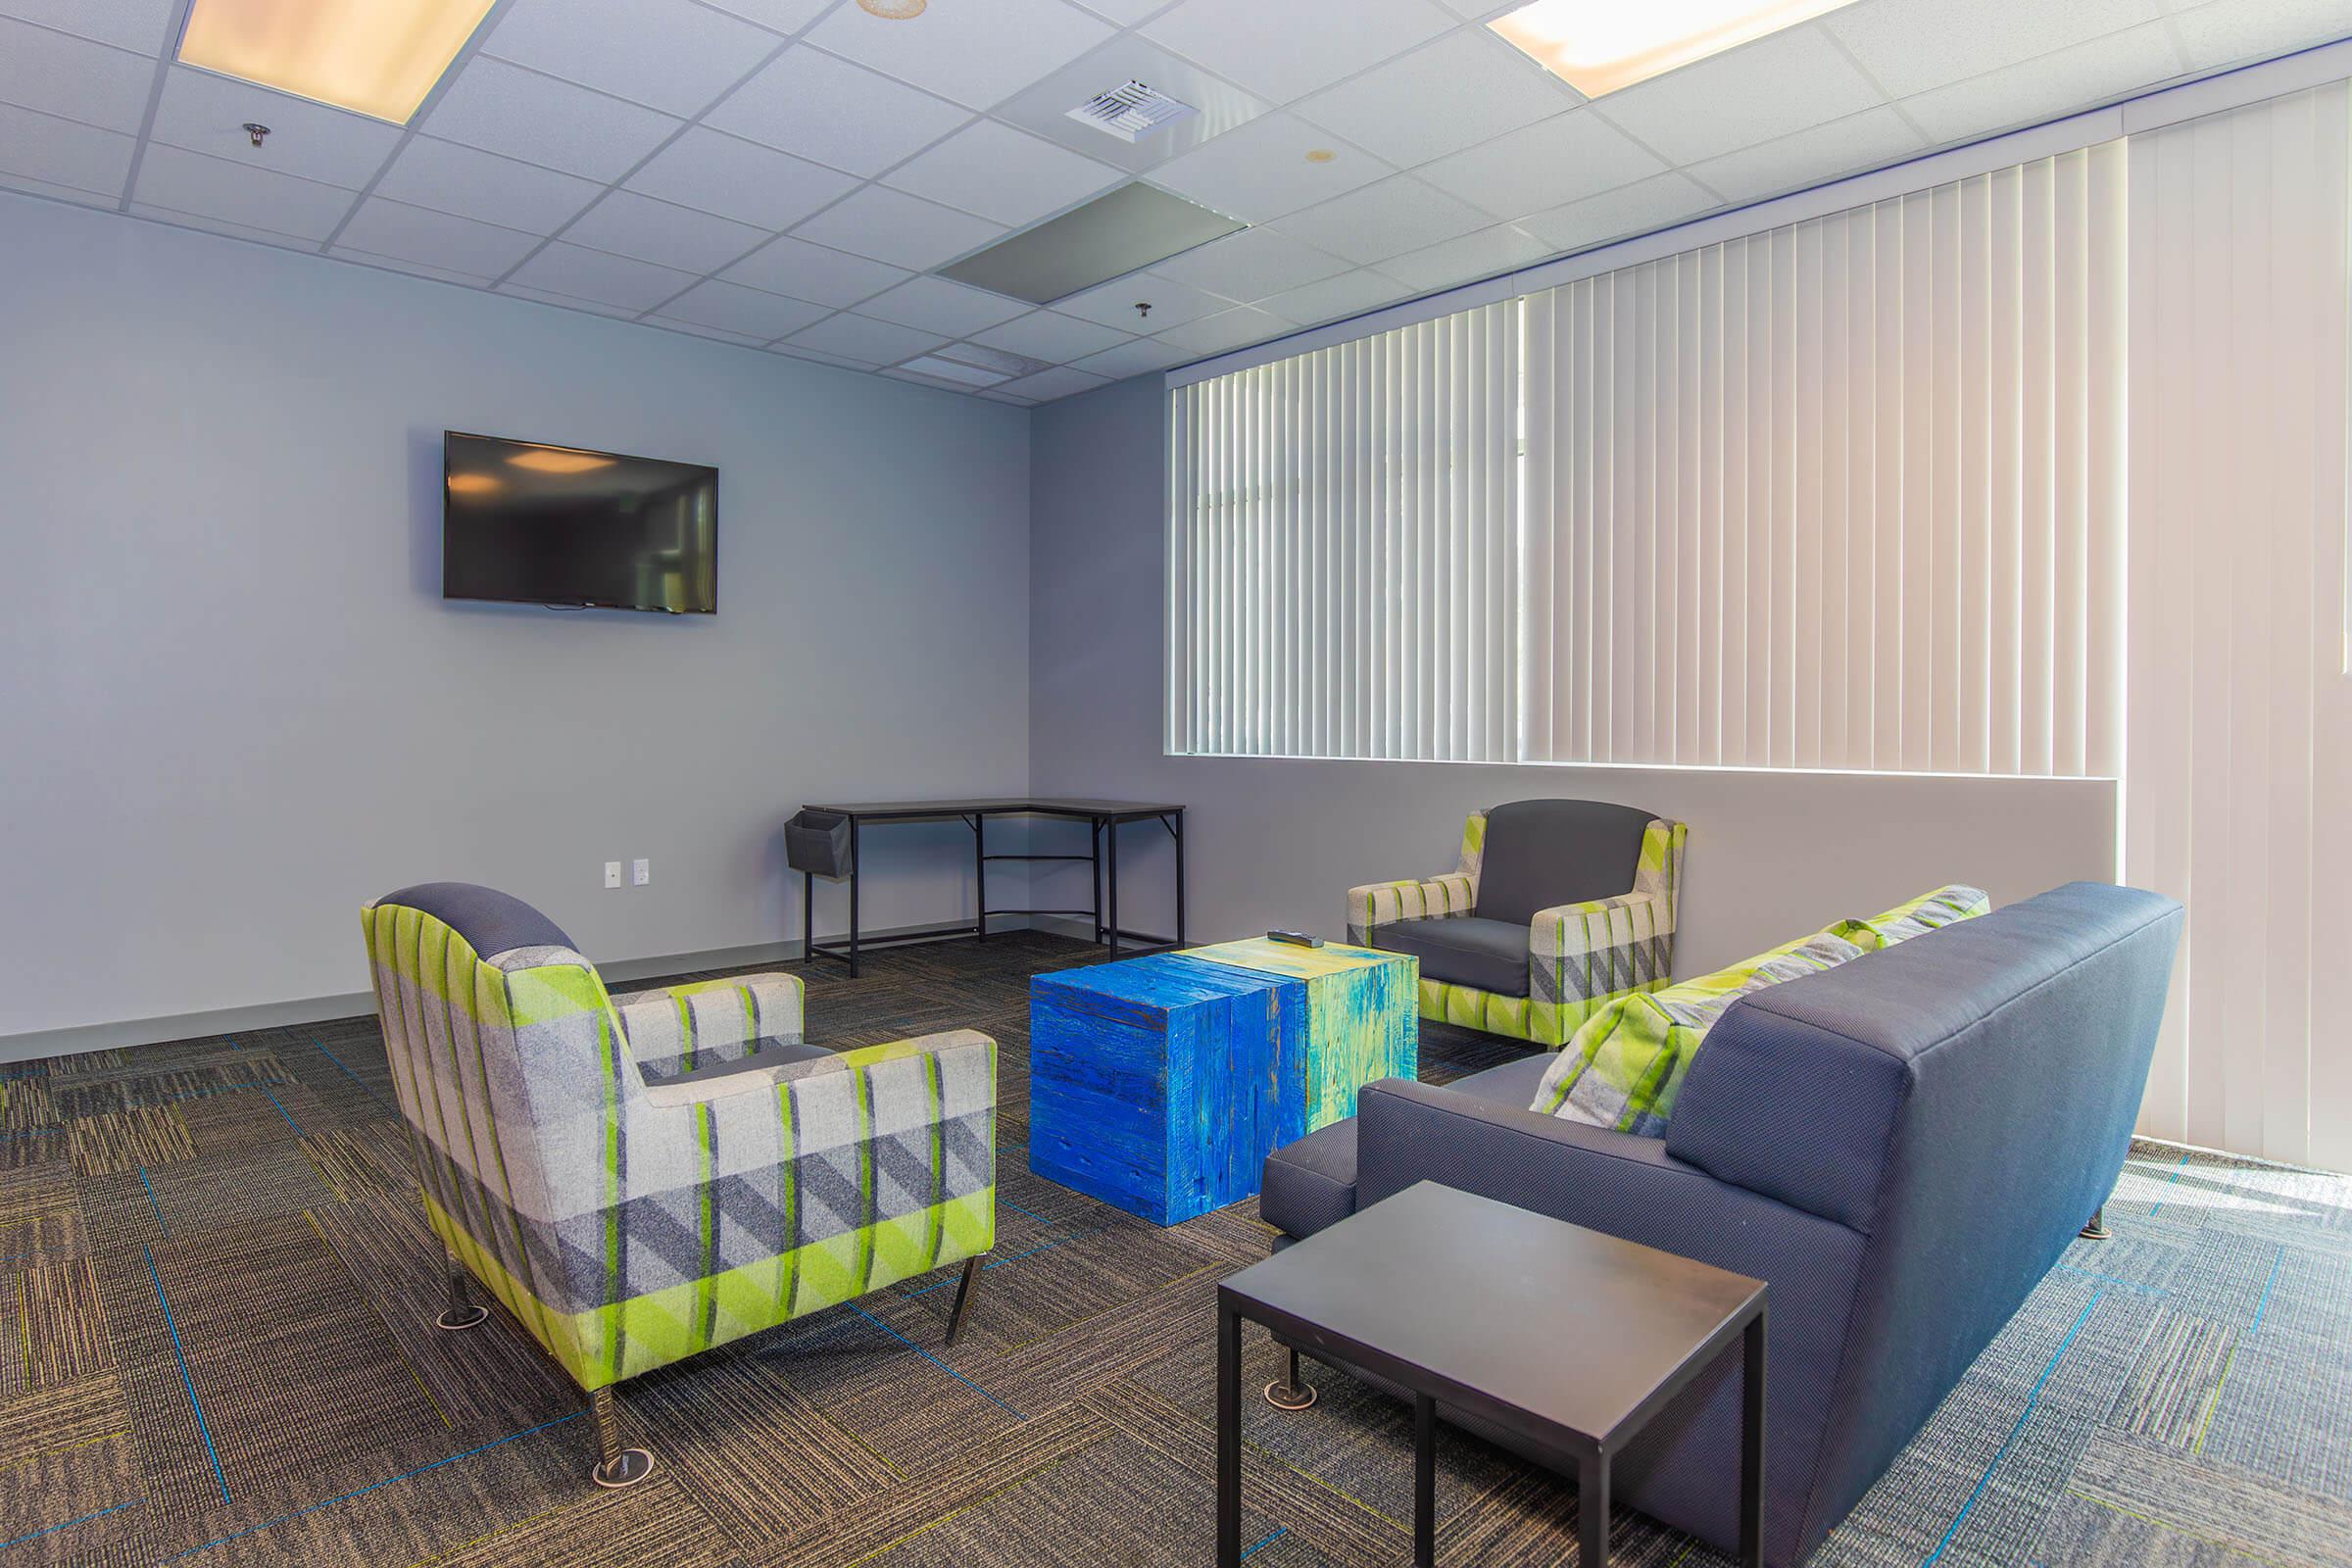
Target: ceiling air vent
(1130, 112)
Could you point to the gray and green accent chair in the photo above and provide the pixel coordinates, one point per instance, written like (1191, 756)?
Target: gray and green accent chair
(639, 1178)
(1556, 909)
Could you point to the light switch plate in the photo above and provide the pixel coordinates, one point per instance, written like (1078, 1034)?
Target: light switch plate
(641, 872)
(612, 873)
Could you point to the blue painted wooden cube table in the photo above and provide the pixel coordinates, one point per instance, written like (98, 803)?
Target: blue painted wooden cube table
(1161, 1084)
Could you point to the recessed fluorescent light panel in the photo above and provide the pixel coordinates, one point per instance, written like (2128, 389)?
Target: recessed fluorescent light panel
(1597, 46)
(376, 57)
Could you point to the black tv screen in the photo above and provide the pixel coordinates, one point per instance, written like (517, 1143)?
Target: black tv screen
(531, 523)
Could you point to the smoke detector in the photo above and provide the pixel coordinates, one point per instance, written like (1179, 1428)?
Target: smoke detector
(1130, 112)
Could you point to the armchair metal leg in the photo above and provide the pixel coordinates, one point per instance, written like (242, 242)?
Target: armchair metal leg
(615, 1466)
(1290, 1393)
(963, 1297)
(462, 1311)
(2096, 1230)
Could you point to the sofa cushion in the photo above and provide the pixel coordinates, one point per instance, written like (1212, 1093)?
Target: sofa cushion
(1625, 1066)
(1916, 917)
(1463, 950)
(1543, 853)
(1310, 1184)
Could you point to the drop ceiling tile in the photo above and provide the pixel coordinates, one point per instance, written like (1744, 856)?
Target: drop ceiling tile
(73, 77)
(992, 395)
(436, 240)
(777, 15)
(740, 179)
(936, 304)
(1563, 159)
(670, 55)
(1047, 385)
(395, 264)
(669, 324)
(1465, 88)
(1382, 221)
(104, 201)
(206, 114)
(212, 187)
(141, 25)
(1333, 298)
(1824, 152)
(1045, 335)
(1219, 106)
(1754, 93)
(1126, 13)
(1133, 358)
(219, 226)
(504, 109)
(807, 272)
(1285, 51)
(1638, 209)
(569, 302)
(629, 225)
(1911, 46)
(867, 340)
(599, 275)
(472, 183)
(2047, 88)
(1002, 173)
(907, 372)
(1469, 258)
(1261, 171)
(2228, 31)
(816, 358)
(892, 227)
(732, 308)
(933, 368)
(1112, 304)
(1250, 264)
(810, 105)
(1227, 330)
(977, 54)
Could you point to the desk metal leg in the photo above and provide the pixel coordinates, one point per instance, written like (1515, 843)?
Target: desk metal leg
(980, 876)
(1095, 874)
(1751, 1446)
(1593, 1512)
(1425, 1481)
(1180, 879)
(1229, 1437)
(1112, 830)
(856, 874)
(807, 916)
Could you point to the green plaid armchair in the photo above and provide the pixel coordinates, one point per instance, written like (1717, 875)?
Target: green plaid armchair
(1556, 909)
(637, 1179)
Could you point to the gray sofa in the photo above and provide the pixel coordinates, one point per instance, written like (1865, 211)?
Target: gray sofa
(1903, 1147)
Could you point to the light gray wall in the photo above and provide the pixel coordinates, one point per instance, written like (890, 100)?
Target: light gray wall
(1277, 843)
(233, 705)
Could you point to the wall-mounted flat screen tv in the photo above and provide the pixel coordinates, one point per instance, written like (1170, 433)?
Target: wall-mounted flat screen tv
(537, 524)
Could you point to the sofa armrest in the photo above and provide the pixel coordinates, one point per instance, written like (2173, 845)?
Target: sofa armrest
(1379, 904)
(679, 1028)
(1580, 955)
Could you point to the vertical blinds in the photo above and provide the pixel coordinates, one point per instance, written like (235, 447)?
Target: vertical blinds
(1343, 555)
(1844, 495)
(2240, 761)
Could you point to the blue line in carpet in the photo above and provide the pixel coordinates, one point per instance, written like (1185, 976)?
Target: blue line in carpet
(2110, 1279)
(2265, 1305)
(372, 1486)
(180, 1355)
(936, 1362)
(346, 1072)
(282, 1108)
(51, 1530)
(2031, 1400)
(1000, 1262)
(151, 1203)
(1268, 1542)
(2168, 1186)
(1032, 1213)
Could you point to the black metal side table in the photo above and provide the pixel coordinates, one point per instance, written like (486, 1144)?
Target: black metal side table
(1567, 1338)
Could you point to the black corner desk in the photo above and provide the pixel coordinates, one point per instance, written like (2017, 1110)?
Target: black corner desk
(1103, 817)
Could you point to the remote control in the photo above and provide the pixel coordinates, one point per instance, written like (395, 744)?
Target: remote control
(1295, 938)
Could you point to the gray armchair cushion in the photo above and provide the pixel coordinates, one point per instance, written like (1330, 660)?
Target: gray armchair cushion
(1543, 853)
(491, 922)
(1310, 1184)
(1463, 950)
(763, 1055)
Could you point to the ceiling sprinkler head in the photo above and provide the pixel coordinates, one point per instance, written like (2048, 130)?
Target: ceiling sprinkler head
(1143, 308)
(255, 131)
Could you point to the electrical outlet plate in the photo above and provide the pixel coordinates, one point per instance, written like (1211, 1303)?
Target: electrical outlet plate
(612, 873)
(641, 872)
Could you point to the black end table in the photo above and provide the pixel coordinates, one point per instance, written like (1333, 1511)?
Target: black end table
(1563, 1337)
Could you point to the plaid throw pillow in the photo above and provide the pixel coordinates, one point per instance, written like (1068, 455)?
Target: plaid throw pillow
(1625, 1066)
(1941, 908)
